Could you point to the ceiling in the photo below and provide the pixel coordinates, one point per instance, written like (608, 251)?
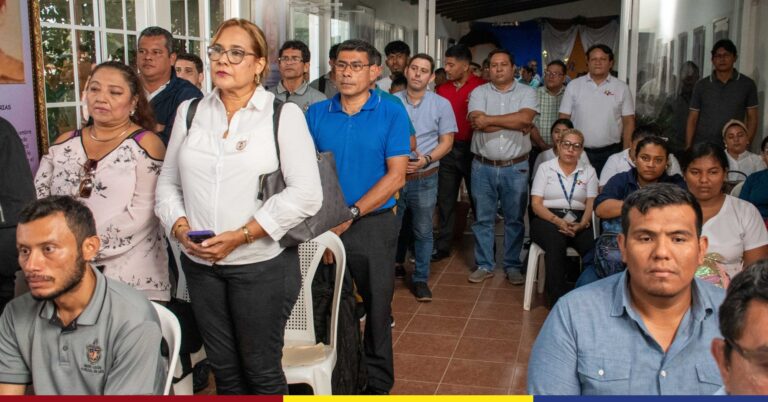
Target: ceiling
(470, 10)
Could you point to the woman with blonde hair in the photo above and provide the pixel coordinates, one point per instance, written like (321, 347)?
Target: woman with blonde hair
(242, 283)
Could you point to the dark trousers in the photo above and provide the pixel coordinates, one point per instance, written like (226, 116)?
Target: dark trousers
(370, 244)
(9, 264)
(598, 156)
(242, 311)
(454, 167)
(554, 244)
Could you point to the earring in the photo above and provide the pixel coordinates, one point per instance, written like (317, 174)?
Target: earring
(257, 79)
(133, 112)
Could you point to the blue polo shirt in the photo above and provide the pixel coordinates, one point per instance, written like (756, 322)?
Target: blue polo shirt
(361, 143)
(594, 342)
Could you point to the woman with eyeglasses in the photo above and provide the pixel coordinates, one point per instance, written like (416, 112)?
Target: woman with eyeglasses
(241, 282)
(112, 166)
(741, 162)
(562, 195)
(558, 127)
(735, 230)
(755, 188)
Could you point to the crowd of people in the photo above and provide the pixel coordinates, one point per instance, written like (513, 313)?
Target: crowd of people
(159, 166)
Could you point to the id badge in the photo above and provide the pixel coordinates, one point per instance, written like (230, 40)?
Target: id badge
(570, 217)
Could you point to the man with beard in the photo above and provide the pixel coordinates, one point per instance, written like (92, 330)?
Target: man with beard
(647, 330)
(75, 332)
(397, 53)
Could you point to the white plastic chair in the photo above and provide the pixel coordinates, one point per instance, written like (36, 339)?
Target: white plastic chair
(737, 189)
(304, 360)
(536, 272)
(171, 330)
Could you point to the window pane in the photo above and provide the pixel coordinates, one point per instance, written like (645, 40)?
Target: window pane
(194, 47)
(84, 12)
(115, 47)
(178, 18)
(193, 8)
(59, 73)
(55, 11)
(179, 45)
(217, 15)
(113, 11)
(61, 120)
(130, 14)
(132, 50)
(86, 55)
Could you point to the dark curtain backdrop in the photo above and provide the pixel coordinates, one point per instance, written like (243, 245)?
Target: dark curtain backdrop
(524, 40)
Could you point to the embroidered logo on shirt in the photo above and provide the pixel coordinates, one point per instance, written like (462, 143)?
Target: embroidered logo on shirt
(241, 145)
(608, 92)
(94, 352)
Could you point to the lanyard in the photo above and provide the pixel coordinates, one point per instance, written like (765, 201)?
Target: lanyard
(568, 198)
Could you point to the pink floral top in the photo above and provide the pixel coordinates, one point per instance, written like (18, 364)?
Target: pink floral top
(133, 246)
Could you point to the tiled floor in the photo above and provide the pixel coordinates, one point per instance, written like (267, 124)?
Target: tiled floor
(471, 339)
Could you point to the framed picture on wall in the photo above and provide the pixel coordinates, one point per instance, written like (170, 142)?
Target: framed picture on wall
(698, 47)
(720, 29)
(682, 48)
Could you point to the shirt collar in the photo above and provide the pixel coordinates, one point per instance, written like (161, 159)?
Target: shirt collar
(258, 100)
(607, 80)
(370, 104)
(559, 170)
(299, 91)
(700, 307)
(511, 88)
(735, 75)
(544, 89)
(91, 312)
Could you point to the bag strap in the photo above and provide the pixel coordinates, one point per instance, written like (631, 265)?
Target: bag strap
(321, 87)
(277, 108)
(191, 112)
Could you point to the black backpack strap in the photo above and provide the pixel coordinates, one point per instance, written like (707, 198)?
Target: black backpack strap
(321, 87)
(191, 112)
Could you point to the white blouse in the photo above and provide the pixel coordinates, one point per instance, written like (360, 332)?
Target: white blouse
(547, 185)
(214, 181)
(747, 163)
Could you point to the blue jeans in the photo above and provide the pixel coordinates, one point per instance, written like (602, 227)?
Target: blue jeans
(419, 197)
(489, 185)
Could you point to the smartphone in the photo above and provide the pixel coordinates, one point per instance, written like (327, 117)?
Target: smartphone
(198, 236)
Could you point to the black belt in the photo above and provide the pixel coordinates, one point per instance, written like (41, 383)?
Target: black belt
(505, 163)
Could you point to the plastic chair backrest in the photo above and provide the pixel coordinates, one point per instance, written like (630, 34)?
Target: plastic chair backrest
(300, 328)
(737, 189)
(171, 330)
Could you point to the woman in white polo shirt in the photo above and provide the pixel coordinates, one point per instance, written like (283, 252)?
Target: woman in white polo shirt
(734, 227)
(562, 195)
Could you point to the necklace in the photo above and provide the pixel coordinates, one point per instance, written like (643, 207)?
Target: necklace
(93, 137)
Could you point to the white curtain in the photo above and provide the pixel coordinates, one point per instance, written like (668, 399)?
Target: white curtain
(608, 34)
(558, 44)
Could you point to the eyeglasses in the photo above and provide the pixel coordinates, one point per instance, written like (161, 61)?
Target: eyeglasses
(290, 59)
(758, 357)
(235, 56)
(551, 74)
(571, 145)
(86, 185)
(355, 66)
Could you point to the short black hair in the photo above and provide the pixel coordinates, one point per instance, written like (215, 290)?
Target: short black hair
(359, 45)
(333, 51)
(397, 46)
(158, 31)
(442, 71)
(509, 54)
(607, 50)
(566, 122)
(659, 195)
(727, 45)
(703, 150)
(646, 130)
(426, 57)
(459, 52)
(749, 284)
(399, 80)
(296, 45)
(558, 63)
(652, 140)
(192, 58)
(79, 218)
(473, 64)
(529, 69)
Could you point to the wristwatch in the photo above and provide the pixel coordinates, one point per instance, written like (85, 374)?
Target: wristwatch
(355, 212)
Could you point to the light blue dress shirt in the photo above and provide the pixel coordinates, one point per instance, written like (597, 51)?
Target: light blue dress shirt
(594, 343)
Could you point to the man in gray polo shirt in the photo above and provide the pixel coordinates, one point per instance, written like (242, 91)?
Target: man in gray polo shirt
(435, 125)
(500, 112)
(75, 332)
(293, 63)
(726, 94)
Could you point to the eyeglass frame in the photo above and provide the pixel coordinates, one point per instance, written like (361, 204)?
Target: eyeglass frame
(574, 146)
(293, 59)
(86, 184)
(228, 52)
(341, 66)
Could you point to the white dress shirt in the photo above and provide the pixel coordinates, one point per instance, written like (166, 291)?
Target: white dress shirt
(546, 184)
(620, 162)
(214, 181)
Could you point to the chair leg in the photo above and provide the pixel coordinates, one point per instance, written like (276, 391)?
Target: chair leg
(322, 385)
(542, 273)
(533, 258)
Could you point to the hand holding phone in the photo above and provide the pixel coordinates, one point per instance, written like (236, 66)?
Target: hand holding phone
(198, 236)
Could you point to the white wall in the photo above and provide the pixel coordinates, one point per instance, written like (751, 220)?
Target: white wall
(403, 13)
(585, 8)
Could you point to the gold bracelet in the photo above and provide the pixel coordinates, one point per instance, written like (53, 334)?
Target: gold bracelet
(247, 234)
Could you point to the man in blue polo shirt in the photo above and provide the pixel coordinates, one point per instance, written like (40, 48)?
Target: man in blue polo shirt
(369, 139)
(647, 330)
